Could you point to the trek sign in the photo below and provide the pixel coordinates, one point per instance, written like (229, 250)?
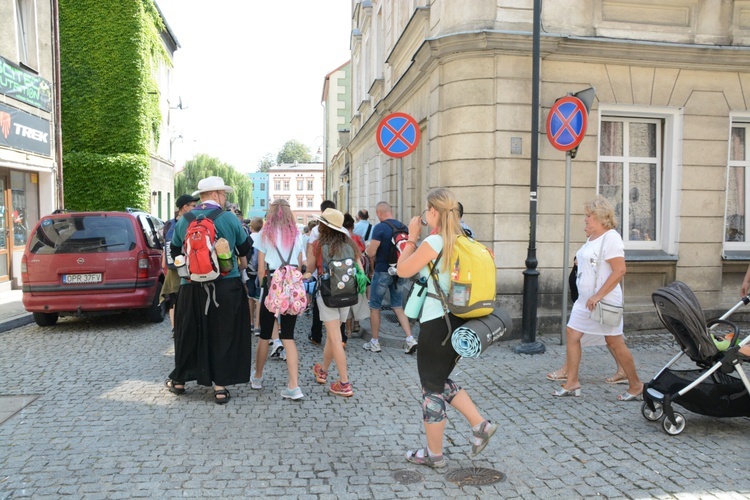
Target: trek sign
(20, 130)
(398, 135)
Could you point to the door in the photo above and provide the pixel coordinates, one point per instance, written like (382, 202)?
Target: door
(5, 231)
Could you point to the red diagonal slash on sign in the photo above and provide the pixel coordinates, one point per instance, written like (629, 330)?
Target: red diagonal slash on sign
(566, 124)
(397, 134)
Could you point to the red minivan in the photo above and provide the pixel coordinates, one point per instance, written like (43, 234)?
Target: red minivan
(79, 263)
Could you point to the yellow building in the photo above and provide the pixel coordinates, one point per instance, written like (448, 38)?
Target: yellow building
(666, 138)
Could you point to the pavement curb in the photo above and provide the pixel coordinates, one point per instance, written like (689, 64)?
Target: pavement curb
(16, 321)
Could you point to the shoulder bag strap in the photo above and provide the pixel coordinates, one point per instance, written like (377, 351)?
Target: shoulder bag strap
(440, 295)
(599, 260)
(369, 228)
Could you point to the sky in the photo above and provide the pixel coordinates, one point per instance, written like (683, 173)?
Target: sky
(250, 74)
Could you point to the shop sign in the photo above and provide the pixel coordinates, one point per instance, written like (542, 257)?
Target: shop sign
(25, 86)
(20, 130)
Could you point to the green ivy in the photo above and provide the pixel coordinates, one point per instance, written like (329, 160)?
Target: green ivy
(106, 181)
(109, 54)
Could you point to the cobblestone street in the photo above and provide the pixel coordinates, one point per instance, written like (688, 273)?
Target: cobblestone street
(104, 426)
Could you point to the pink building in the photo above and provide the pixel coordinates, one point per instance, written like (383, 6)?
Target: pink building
(302, 185)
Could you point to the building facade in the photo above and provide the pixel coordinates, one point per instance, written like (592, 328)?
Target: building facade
(666, 136)
(337, 101)
(30, 176)
(302, 185)
(260, 194)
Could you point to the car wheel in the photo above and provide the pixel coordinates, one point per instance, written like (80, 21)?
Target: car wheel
(157, 311)
(46, 319)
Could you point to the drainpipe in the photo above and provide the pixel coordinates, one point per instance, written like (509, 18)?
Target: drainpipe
(57, 121)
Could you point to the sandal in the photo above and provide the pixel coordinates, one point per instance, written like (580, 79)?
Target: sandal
(626, 396)
(172, 386)
(617, 378)
(435, 462)
(558, 375)
(224, 400)
(482, 437)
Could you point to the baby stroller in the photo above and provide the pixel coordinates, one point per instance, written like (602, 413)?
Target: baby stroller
(718, 387)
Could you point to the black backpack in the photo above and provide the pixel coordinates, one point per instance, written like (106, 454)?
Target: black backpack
(338, 283)
(399, 235)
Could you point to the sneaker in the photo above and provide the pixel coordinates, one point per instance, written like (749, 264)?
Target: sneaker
(342, 389)
(282, 355)
(295, 393)
(372, 346)
(276, 348)
(320, 375)
(256, 332)
(481, 437)
(411, 346)
(256, 383)
(312, 340)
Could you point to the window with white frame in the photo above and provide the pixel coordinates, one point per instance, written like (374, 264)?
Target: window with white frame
(286, 185)
(300, 201)
(736, 223)
(26, 34)
(309, 202)
(300, 184)
(638, 176)
(309, 184)
(277, 185)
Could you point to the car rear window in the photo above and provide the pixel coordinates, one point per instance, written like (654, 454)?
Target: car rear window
(83, 234)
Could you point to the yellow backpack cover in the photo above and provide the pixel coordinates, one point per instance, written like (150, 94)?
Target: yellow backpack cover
(473, 279)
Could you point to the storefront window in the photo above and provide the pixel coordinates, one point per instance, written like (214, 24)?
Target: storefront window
(25, 204)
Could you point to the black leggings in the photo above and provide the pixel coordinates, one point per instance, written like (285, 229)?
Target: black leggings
(435, 361)
(288, 321)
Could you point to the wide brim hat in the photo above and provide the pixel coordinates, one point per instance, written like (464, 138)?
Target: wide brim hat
(333, 219)
(185, 199)
(212, 183)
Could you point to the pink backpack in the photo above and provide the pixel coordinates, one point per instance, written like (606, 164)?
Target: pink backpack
(286, 292)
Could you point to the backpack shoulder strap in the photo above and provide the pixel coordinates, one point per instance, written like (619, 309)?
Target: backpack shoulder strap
(214, 214)
(189, 216)
(369, 230)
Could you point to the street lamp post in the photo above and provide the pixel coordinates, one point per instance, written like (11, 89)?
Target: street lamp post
(529, 344)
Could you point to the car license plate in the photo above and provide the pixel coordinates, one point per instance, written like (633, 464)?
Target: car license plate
(77, 279)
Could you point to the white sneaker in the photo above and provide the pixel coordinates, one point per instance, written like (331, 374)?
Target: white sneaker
(411, 346)
(282, 354)
(295, 393)
(256, 383)
(276, 348)
(372, 346)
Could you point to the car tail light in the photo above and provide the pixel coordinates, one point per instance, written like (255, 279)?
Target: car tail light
(143, 265)
(24, 270)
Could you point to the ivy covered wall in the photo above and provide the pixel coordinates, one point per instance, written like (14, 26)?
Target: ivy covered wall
(109, 51)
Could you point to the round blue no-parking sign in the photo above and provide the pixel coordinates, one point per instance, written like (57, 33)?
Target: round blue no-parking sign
(398, 135)
(566, 123)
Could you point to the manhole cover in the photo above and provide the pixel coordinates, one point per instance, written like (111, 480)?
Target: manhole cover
(474, 476)
(408, 476)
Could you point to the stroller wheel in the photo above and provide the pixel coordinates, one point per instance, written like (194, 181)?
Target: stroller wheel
(652, 416)
(674, 429)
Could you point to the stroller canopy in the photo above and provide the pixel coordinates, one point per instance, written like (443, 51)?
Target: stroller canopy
(679, 310)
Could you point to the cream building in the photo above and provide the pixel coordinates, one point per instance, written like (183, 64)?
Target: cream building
(302, 185)
(666, 137)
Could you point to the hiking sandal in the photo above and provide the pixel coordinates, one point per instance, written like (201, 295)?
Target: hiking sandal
(224, 400)
(172, 386)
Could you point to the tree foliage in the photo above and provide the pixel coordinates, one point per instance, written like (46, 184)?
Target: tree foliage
(293, 151)
(266, 163)
(202, 166)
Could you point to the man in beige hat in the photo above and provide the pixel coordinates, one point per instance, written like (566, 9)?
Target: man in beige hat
(212, 319)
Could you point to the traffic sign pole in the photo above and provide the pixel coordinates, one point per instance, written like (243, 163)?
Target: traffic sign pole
(566, 249)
